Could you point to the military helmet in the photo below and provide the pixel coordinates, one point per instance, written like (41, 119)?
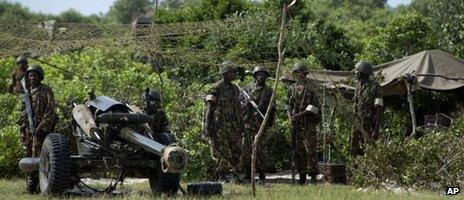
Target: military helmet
(153, 95)
(260, 69)
(364, 67)
(226, 66)
(300, 66)
(37, 69)
(21, 59)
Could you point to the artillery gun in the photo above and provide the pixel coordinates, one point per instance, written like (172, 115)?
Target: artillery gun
(109, 135)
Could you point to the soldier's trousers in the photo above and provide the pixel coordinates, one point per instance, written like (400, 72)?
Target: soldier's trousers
(306, 148)
(357, 139)
(261, 156)
(227, 150)
(356, 142)
(33, 149)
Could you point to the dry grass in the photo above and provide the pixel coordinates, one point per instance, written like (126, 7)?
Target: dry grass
(14, 189)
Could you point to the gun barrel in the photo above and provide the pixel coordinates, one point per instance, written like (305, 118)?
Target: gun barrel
(173, 158)
(138, 139)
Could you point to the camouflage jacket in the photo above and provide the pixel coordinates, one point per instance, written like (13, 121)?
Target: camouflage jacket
(261, 95)
(160, 122)
(43, 108)
(226, 106)
(364, 98)
(15, 84)
(299, 96)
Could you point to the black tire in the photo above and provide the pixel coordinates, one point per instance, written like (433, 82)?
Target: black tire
(160, 182)
(55, 165)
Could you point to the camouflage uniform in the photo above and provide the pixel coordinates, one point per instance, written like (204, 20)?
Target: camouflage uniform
(227, 120)
(15, 84)
(160, 121)
(262, 96)
(43, 109)
(153, 108)
(298, 98)
(44, 118)
(365, 112)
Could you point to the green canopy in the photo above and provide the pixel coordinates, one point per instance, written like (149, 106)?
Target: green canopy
(434, 70)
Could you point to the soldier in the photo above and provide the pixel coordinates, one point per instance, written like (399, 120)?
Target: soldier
(260, 94)
(223, 123)
(17, 75)
(303, 112)
(368, 105)
(44, 118)
(154, 109)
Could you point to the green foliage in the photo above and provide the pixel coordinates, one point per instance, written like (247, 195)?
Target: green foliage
(8, 66)
(201, 10)
(9, 107)
(112, 73)
(124, 11)
(404, 35)
(329, 34)
(11, 151)
(447, 19)
(330, 45)
(220, 9)
(74, 16)
(14, 11)
(435, 158)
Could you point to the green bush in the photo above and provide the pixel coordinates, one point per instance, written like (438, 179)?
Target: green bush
(432, 161)
(10, 147)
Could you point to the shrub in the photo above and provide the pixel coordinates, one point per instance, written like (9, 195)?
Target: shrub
(11, 151)
(432, 161)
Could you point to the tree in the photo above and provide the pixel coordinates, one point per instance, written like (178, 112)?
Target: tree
(404, 35)
(71, 15)
(124, 11)
(15, 11)
(447, 17)
(330, 45)
(220, 9)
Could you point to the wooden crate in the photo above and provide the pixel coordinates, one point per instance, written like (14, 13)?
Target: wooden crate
(333, 172)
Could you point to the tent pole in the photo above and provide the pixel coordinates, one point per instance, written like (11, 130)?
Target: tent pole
(411, 107)
(323, 128)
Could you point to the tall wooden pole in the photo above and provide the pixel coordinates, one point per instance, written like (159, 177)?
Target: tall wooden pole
(411, 106)
(271, 103)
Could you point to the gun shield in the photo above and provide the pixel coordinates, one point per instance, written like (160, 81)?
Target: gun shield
(84, 118)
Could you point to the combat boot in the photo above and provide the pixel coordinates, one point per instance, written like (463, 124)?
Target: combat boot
(32, 183)
(222, 177)
(236, 178)
(262, 179)
(313, 179)
(302, 180)
(247, 178)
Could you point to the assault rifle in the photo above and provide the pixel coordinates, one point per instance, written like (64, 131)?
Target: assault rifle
(248, 98)
(28, 107)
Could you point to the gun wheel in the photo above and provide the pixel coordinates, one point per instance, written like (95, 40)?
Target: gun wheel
(160, 182)
(55, 165)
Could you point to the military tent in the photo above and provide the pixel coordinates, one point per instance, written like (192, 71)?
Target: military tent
(433, 70)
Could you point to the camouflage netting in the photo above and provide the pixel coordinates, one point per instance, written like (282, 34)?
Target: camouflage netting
(154, 41)
(170, 44)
